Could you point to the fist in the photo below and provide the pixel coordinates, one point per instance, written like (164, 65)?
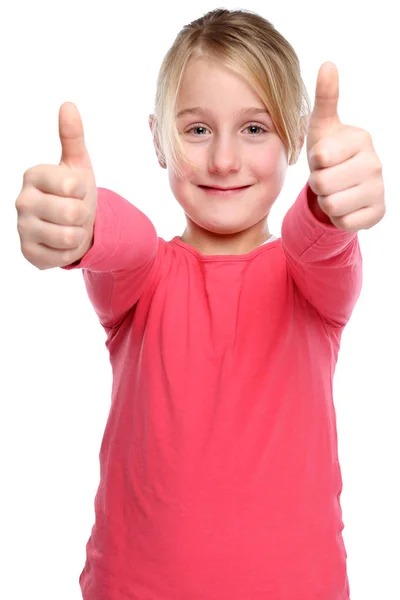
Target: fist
(345, 171)
(57, 204)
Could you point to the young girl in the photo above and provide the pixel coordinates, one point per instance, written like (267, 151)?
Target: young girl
(219, 466)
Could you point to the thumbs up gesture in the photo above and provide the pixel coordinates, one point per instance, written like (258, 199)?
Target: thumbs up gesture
(345, 171)
(57, 203)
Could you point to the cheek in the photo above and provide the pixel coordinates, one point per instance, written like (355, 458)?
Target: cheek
(197, 156)
(179, 184)
(188, 173)
(270, 164)
(265, 164)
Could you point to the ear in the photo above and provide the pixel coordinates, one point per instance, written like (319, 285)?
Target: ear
(156, 141)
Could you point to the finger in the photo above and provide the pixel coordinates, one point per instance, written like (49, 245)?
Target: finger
(325, 111)
(355, 198)
(57, 237)
(349, 173)
(58, 180)
(344, 202)
(73, 147)
(33, 203)
(45, 257)
(364, 218)
(332, 150)
(61, 211)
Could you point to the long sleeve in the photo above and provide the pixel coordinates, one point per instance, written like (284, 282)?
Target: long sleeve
(119, 265)
(324, 261)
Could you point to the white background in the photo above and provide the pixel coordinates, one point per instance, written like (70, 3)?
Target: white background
(55, 382)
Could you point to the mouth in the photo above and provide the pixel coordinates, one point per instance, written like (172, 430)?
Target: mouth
(224, 189)
(218, 191)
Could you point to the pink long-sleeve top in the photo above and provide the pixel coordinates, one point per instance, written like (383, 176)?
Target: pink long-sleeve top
(220, 477)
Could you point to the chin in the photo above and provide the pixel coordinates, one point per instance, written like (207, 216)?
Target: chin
(224, 228)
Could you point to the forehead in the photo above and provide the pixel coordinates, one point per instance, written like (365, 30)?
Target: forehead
(209, 85)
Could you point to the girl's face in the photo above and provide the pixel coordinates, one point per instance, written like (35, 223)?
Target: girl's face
(229, 136)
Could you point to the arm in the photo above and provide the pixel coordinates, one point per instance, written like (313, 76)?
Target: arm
(120, 263)
(324, 261)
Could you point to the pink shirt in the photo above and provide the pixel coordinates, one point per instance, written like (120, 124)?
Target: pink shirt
(220, 477)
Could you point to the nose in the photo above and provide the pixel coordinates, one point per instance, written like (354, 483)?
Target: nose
(224, 156)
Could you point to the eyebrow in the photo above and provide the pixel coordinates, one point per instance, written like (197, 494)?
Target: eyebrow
(254, 110)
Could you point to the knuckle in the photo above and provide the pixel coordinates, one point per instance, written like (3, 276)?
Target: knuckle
(28, 175)
(68, 185)
(321, 155)
(318, 184)
(343, 223)
(20, 204)
(21, 227)
(27, 252)
(68, 257)
(312, 182)
(31, 173)
(71, 213)
(68, 238)
(329, 205)
(367, 136)
(382, 210)
(71, 237)
(324, 188)
(72, 186)
(370, 160)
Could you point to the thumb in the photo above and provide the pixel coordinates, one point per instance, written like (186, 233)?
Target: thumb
(325, 112)
(324, 119)
(73, 148)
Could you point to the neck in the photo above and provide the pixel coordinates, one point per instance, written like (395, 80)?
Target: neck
(211, 243)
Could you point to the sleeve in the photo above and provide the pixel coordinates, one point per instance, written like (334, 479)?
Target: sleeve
(324, 261)
(120, 263)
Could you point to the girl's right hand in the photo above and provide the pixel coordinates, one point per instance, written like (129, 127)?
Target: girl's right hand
(57, 204)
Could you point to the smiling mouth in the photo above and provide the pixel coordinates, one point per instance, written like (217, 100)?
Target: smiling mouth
(209, 187)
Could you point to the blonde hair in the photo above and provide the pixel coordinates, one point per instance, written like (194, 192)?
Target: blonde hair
(250, 46)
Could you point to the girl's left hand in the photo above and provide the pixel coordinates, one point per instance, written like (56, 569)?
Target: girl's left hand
(345, 171)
